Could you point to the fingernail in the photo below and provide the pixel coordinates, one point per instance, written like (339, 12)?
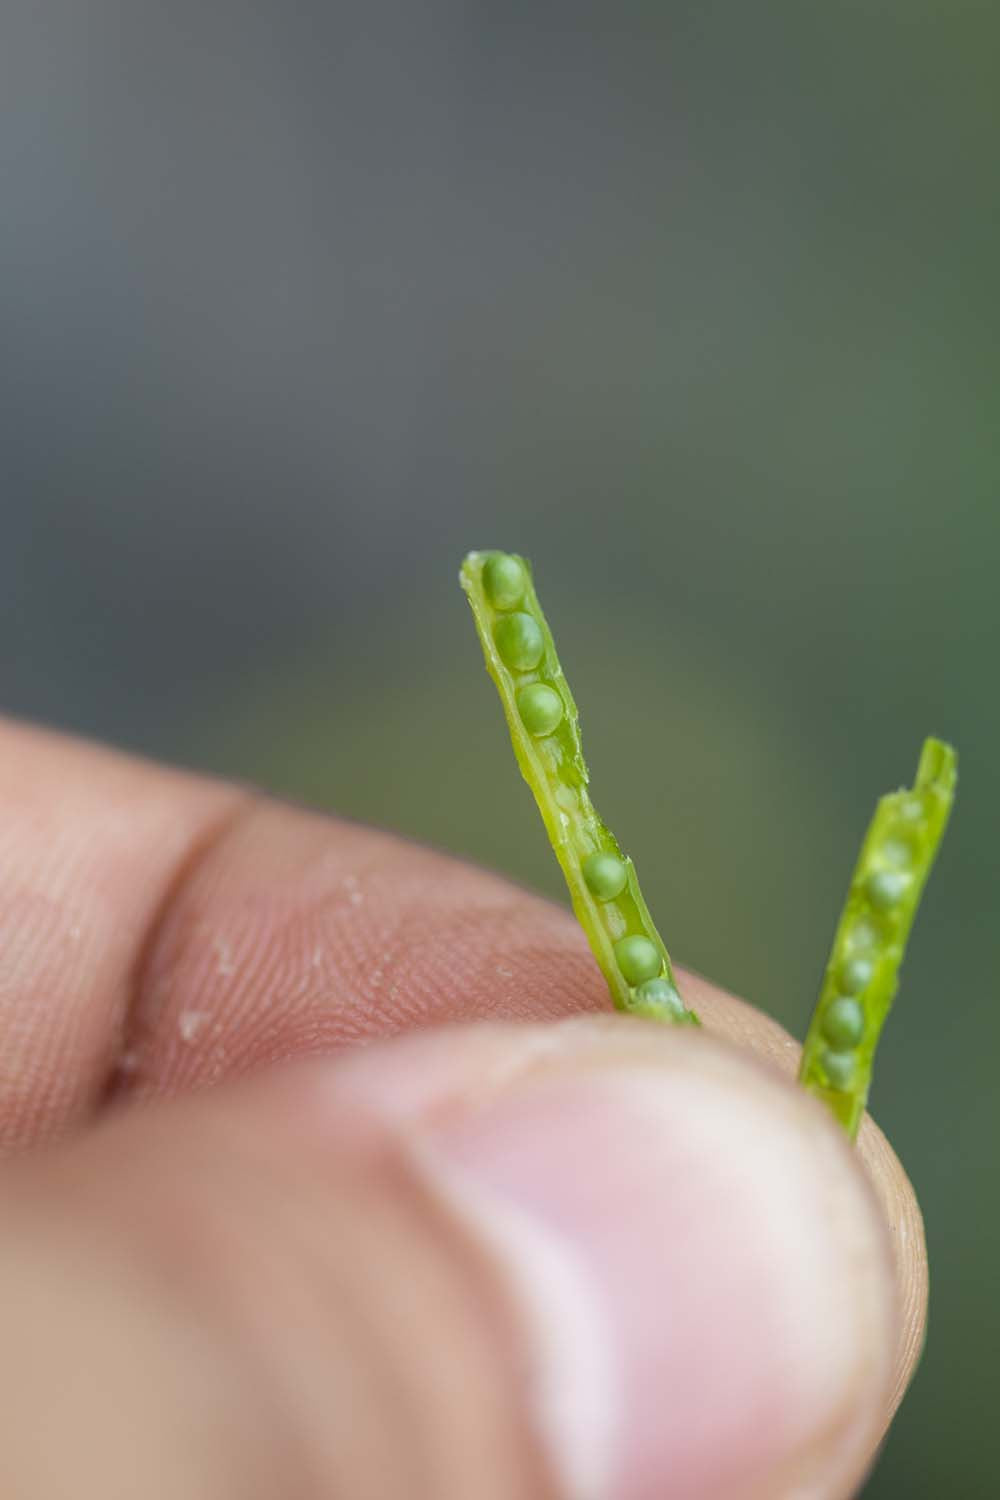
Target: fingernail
(698, 1271)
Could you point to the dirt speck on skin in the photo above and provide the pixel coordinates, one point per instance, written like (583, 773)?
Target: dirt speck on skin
(190, 1023)
(224, 958)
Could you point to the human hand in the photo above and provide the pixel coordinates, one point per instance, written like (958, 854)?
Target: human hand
(448, 1238)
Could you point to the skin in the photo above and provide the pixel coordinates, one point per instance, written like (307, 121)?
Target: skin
(225, 1274)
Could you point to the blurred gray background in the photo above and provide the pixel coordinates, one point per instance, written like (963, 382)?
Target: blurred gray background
(696, 304)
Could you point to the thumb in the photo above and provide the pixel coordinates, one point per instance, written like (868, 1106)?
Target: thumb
(588, 1260)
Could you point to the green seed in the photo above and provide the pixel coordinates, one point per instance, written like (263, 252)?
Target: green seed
(605, 874)
(519, 642)
(541, 709)
(886, 888)
(637, 958)
(839, 1068)
(901, 852)
(660, 994)
(844, 1022)
(855, 974)
(865, 936)
(912, 810)
(503, 580)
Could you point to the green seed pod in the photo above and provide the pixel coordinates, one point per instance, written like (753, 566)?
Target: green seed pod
(541, 709)
(519, 642)
(504, 580)
(545, 733)
(637, 958)
(871, 936)
(605, 874)
(844, 1022)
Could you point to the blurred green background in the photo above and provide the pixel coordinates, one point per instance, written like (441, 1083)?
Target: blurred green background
(696, 305)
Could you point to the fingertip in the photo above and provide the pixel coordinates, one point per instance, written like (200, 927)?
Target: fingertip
(758, 1034)
(699, 1263)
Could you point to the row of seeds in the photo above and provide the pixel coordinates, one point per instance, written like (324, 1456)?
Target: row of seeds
(521, 645)
(862, 974)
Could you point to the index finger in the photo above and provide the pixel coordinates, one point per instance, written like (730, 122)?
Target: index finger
(161, 929)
